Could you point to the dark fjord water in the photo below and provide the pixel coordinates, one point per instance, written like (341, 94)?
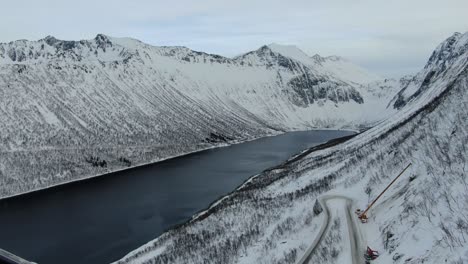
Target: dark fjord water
(102, 219)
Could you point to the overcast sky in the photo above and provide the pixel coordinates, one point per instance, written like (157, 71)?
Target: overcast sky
(390, 37)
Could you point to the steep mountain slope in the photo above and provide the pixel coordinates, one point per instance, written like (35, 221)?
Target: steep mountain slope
(421, 219)
(447, 54)
(73, 109)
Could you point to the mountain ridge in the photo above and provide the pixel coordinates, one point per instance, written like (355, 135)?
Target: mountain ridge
(64, 101)
(51, 40)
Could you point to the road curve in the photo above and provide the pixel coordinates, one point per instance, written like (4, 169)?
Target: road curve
(9, 258)
(355, 236)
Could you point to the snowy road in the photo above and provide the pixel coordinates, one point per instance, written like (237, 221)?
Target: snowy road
(9, 258)
(356, 240)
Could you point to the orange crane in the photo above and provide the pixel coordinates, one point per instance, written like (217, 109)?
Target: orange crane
(363, 216)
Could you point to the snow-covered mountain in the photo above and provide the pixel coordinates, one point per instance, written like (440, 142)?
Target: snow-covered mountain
(447, 54)
(73, 109)
(422, 218)
(331, 65)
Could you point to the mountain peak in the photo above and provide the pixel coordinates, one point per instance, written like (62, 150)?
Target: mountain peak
(317, 58)
(450, 49)
(276, 46)
(103, 40)
(290, 51)
(50, 40)
(49, 37)
(102, 37)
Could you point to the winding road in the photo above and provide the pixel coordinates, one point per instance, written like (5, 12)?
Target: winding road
(356, 238)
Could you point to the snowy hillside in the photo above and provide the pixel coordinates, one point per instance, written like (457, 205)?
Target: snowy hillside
(73, 109)
(421, 219)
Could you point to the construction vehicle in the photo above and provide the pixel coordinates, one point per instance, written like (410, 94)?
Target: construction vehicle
(363, 216)
(371, 254)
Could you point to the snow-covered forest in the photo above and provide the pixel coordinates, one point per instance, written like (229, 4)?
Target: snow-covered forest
(421, 219)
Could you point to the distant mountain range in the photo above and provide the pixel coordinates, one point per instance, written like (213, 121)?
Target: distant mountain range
(68, 106)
